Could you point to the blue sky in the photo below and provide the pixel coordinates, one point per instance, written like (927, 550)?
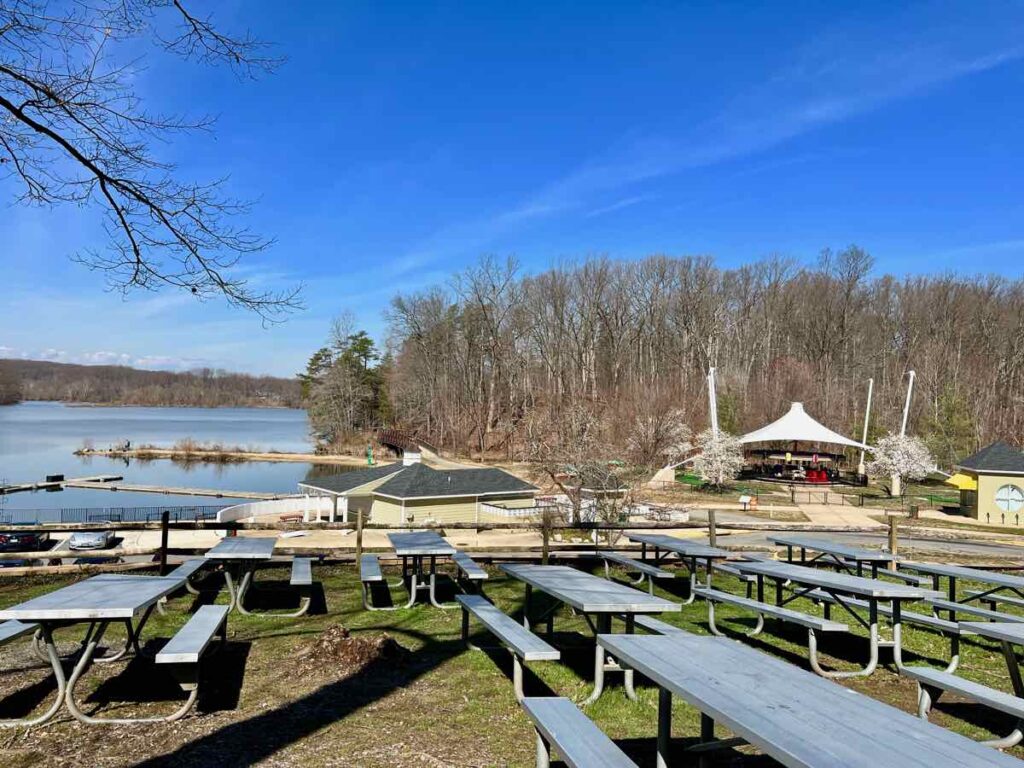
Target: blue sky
(402, 141)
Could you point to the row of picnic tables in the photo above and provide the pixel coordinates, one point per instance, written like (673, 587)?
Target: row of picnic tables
(794, 716)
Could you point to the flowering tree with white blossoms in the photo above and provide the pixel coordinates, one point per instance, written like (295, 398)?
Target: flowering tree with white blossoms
(719, 458)
(902, 458)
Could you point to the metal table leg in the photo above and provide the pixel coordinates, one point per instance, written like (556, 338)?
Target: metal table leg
(664, 726)
(53, 657)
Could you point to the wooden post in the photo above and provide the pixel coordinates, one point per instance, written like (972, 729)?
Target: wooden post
(545, 548)
(712, 529)
(165, 522)
(359, 534)
(893, 542)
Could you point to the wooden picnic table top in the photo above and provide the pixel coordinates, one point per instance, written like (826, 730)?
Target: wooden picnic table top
(243, 548)
(420, 544)
(961, 572)
(684, 547)
(109, 596)
(588, 593)
(1010, 631)
(794, 716)
(830, 581)
(833, 548)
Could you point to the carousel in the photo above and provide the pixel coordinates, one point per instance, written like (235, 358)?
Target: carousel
(798, 449)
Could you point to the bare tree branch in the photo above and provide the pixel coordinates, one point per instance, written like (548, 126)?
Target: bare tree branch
(72, 130)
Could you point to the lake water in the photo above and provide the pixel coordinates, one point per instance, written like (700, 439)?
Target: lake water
(39, 439)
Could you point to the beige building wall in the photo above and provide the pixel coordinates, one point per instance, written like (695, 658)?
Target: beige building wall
(987, 511)
(386, 511)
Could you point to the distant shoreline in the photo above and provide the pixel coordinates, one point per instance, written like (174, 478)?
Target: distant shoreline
(74, 404)
(222, 456)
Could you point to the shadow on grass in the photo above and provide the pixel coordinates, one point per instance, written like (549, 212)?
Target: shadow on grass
(642, 752)
(261, 736)
(22, 703)
(142, 681)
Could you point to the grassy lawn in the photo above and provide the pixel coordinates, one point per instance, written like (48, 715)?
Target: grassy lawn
(270, 700)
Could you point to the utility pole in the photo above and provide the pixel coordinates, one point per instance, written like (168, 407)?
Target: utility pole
(861, 469)
(897, 489)
(713, 402)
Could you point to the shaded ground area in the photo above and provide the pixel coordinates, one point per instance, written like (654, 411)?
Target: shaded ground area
(348, 687)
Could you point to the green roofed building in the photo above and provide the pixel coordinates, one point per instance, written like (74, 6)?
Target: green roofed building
(998, 472)
(412, 493)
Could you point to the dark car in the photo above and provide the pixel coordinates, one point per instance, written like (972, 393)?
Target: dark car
(29, 541)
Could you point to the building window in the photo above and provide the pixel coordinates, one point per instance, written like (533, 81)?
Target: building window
(1010, 498)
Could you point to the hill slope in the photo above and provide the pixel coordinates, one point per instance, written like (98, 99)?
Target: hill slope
(119, 385)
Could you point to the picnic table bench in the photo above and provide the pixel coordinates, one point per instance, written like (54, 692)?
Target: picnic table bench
(840, 555)
(469, 569)
(840, 587)
(420, 551)
(997, 582)
(182, 657)
(520, 642)
(562, 727)
(688, 552)
(647, 571)
(597, 600)
(793, 716)
(95, 602)
(932, 683)
(814, 624)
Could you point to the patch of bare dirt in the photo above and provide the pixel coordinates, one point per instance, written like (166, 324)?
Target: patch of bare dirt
(336, 651)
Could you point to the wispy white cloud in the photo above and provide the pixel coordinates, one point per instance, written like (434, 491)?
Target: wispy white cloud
(618, 205)
(818, 88)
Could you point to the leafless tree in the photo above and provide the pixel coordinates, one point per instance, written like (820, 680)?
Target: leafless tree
(633, 340)
(74, 131)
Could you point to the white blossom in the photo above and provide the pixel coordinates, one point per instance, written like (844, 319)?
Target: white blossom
(718, 458)
(901, 456)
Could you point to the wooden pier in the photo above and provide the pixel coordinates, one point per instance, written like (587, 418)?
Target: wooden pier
(54, 485)
(169, 490)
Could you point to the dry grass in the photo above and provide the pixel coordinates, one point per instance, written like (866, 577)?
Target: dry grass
(290, 692)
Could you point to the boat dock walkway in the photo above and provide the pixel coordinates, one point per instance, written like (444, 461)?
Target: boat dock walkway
(169, 490)
(54, 485)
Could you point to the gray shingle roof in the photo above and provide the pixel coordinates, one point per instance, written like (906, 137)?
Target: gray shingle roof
(419, 480)
(346, 481)
(998, 457)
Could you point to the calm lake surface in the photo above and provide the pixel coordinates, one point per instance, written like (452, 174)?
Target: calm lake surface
(39, 439)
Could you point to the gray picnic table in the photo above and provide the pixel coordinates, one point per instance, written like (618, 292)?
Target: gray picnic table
(420, 551)
(687, 550)
(241, 556)
(834, 551)
(594, 598)
(996, 581)
(95, 602)
(791, 715)
(839, 586)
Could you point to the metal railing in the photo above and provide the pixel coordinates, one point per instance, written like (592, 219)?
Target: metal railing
(107, 514)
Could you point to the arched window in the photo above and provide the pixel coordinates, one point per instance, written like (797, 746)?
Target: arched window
(1010, 498)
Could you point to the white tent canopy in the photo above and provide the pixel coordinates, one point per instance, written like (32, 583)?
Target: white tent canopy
(797, 426)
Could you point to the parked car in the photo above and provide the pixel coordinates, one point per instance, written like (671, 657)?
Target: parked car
(91, 540)
(29, 541)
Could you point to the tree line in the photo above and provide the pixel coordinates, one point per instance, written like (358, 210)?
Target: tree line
(494, 359)
(120, 385)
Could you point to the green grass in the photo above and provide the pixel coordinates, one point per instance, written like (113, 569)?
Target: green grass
(442, 705)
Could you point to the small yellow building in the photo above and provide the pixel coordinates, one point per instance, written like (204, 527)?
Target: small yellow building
(416, 493)
(998, 492)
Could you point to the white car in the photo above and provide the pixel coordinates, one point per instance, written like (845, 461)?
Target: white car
(91, 540)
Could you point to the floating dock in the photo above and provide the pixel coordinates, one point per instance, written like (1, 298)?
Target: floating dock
(56, 485)
(171, 490)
